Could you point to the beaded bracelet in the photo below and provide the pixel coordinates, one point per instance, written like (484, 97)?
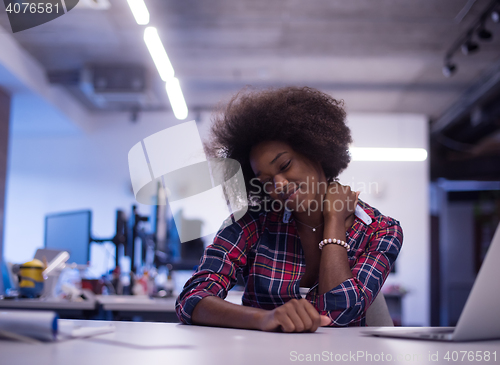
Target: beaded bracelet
(326, 241)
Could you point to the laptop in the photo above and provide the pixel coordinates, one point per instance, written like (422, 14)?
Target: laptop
(480, 318)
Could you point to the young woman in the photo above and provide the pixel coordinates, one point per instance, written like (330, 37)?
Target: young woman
(300, 230)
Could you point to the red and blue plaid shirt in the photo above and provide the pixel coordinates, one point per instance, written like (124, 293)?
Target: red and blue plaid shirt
(269, 254)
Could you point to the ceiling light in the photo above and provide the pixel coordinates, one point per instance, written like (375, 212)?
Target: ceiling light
(469, 47)
(91, 4)
(176, 98)
(449, 69)
(157, 51)
(495, 16)
(388, 154)
(484, 34)
(140, 11)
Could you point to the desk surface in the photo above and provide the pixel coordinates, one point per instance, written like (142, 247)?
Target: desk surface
(168, 343)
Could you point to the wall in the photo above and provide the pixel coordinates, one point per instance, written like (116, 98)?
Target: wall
(400, 190)
(71, 170)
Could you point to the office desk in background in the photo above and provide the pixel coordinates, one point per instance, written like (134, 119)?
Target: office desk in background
(110, 307)
(169, 343)
(130, 307)
(85, 309)
(113, 307)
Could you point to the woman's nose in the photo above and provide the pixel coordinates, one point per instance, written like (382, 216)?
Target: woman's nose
(277, 185)
(280, 182)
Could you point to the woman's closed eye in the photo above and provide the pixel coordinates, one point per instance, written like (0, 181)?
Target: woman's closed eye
(286, 165)
(268, 184)
(282, 168)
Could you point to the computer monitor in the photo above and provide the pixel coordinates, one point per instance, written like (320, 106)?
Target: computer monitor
(70, 232)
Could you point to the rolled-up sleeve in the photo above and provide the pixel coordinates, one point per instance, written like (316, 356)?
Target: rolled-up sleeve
(216, 274)
(347, 302)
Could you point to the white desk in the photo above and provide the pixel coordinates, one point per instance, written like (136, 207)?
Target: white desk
(169, 343)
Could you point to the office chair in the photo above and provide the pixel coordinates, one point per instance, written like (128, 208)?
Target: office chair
(377, 315)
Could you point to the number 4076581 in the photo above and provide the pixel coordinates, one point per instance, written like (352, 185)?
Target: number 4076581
(470, 356)
(32, 8)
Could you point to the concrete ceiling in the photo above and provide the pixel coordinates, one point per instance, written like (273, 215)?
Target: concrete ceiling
(379, 56)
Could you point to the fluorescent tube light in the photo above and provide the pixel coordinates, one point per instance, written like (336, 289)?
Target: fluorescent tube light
(157, 51)
(176, 98)
(140, 11)
(388, 154)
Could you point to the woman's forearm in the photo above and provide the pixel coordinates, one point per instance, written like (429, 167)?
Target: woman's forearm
(293, 316)
(334, 264)
(214, 311)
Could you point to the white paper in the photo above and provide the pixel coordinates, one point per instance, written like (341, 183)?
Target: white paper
(41, 325)
(72, 330)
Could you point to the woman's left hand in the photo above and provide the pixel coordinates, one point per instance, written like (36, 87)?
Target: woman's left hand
(339, 201)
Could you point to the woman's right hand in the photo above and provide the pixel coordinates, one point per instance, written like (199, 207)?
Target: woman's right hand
(339, 201)
(296, 315)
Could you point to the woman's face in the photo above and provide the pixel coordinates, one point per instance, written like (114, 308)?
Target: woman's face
(288, 176)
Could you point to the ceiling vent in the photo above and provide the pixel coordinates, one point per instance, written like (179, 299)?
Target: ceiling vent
(110, 87)
(94, 4)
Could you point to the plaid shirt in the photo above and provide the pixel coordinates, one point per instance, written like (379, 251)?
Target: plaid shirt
(270, 255)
